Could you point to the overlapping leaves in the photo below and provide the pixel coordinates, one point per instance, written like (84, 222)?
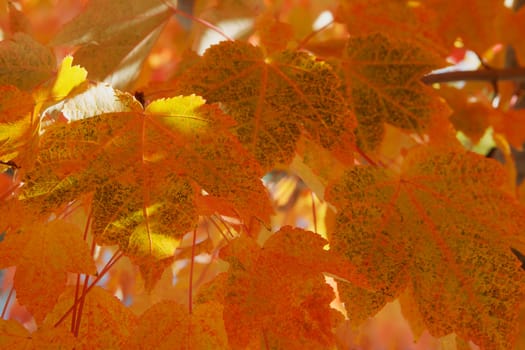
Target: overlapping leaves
(274, 99)
(383, 85)
(145, 170)
(277, 295)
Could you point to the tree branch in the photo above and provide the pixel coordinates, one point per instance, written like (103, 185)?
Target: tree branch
(490, 75)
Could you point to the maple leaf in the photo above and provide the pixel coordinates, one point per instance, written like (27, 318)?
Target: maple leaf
(396, 17)
(25, 63)
(382, 77)
(14, 336)
(479, 26)
(274, 99)
(277, 295)
(166, 325)
(146, 168)
(442, 227)
(121, 32)
(44, 253)
(105, 324)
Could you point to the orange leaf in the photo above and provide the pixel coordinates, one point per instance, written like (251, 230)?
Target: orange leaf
(166, 325)
(382, 77)
(43, 254)
(105, 323)
(277, 295)
(121, 33)
(274, 99)
(442, 226)
(146, 169)
(15, 336)
(25, 62)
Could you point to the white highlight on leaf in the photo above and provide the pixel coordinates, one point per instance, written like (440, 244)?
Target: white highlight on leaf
(323, 19)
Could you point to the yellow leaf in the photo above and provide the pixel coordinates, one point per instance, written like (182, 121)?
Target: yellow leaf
(67, 78)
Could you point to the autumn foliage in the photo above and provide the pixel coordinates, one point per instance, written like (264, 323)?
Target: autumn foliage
(314, 178)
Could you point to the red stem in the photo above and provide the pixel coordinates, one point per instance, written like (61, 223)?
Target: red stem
(307, 38)
(363, 154)
(198, 20)
(190, 292)
(4, 310)
(74, 315)
(75, 324)
(116, 256)
(314, 214)
(494, 74)
(81, 305)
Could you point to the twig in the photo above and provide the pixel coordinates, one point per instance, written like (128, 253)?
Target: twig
(489, 75)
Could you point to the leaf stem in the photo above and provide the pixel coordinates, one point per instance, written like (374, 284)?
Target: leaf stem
(192, 263)
(75, 318)
(4, 310)
(490, 75)
(198, 20)
(313, 33)
(116, 256)
(314, 213)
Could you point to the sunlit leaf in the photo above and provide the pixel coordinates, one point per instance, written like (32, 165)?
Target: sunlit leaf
(441, 226)
(122, 32)
(105, 323)
(274, 99)
(166, 325)
(34, 252)
(146, 168)
(383, 84)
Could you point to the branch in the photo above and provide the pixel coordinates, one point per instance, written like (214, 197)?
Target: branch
(490, 75)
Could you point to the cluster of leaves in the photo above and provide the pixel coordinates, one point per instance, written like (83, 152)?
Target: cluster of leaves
(155, 163)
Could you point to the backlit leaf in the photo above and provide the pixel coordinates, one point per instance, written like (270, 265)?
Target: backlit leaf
(34, 252)
(105, 324)
(146, 168)
(166, 325)
(122, 32)
(68, 77)
(274, 99)
(383, 85)
(276, 297)
(14, 336)
(16, 126)
(442, 227)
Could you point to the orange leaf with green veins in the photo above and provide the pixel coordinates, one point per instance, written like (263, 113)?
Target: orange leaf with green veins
(146, 168)
(167, 325)
(44, 253)
(442, 226)
(274, 99)
(105, 322)
(383, 84)
(277, 296)
(115, 37)
(25, 63)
